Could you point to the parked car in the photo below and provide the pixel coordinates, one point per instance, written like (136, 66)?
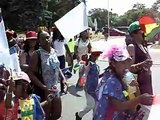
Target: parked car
(113, 32)
(123, 28)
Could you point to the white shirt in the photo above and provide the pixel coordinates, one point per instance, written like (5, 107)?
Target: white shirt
(82, 47)
(59, 47)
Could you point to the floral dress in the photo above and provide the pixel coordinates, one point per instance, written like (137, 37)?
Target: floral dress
(50, 67)
(110, 86)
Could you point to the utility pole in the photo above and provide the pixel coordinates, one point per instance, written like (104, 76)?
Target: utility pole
(108, 20)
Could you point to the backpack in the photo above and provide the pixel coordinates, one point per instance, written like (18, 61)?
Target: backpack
(104, 76)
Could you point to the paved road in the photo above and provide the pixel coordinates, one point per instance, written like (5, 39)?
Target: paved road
(75, 99)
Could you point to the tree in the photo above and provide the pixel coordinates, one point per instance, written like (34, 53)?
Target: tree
(156, 5)
(139, 6)
(61, 7)
(100, 15)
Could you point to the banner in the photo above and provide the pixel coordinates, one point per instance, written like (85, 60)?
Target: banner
(8, 57)
(14, 63)
(4, 49)
(74, 22)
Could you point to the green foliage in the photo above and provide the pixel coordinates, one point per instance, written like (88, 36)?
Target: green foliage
(130, 16)
(101, 15)
(61, 7)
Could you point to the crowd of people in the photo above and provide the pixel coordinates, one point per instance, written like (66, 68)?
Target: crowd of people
(116, 94)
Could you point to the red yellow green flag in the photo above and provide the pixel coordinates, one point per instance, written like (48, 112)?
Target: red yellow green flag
(149, 26)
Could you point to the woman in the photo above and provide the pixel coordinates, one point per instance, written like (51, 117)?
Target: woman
(113, 103)
(140, 58)
(82, 45)
(44, 72)
(30, 45)
(59, 46)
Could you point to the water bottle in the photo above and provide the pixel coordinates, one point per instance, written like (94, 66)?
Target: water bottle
(82, 80)
(128, 78)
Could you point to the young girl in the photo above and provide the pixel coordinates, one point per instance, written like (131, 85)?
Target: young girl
(113, 103)
(30, 45)
(24, 105)
(92, 76)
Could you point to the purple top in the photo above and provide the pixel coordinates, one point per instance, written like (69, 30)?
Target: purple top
(144, 77)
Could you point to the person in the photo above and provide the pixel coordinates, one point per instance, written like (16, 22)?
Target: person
(24, 104)
(141, 60)
(113, 103)
(30, 45)
(4, 76)
(70, 53)
(92, 76)
(58, 42)
(105, 32)
(82, 45)
(11, 37)
(44, 72)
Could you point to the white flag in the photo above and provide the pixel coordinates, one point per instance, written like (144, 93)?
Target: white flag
(8, 57)
(4, 49)
(74, 22)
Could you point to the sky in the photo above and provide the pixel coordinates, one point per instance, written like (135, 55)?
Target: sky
(117, 6)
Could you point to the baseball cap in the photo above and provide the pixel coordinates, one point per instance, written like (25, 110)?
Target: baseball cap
(22, 76)
(31, 35)
(134, 26)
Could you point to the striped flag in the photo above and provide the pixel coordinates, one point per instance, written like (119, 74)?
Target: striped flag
(149, 26)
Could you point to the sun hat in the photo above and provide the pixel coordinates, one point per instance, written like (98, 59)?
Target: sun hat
(31, 35)
(96, 52)
(22, 76)
(134, 26)
(117, 53)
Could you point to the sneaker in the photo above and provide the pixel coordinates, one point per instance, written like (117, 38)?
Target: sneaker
(77, 116)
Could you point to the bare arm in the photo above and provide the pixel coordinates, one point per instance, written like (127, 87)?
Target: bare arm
(89, 47)
(62, 76)
(144, 99)
(134, 67)
(23, 64)
(131, 51)
(9, 95)
(76, 52)
(121, 106)
(33, 69)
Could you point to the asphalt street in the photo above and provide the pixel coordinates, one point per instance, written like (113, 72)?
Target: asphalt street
(75, 99)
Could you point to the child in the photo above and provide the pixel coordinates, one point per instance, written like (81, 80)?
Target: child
(113, 104)
(4, 74)
(92, 76)
(24, 105)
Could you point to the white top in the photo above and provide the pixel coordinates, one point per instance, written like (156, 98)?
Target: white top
(82, 47)
(59, 47)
